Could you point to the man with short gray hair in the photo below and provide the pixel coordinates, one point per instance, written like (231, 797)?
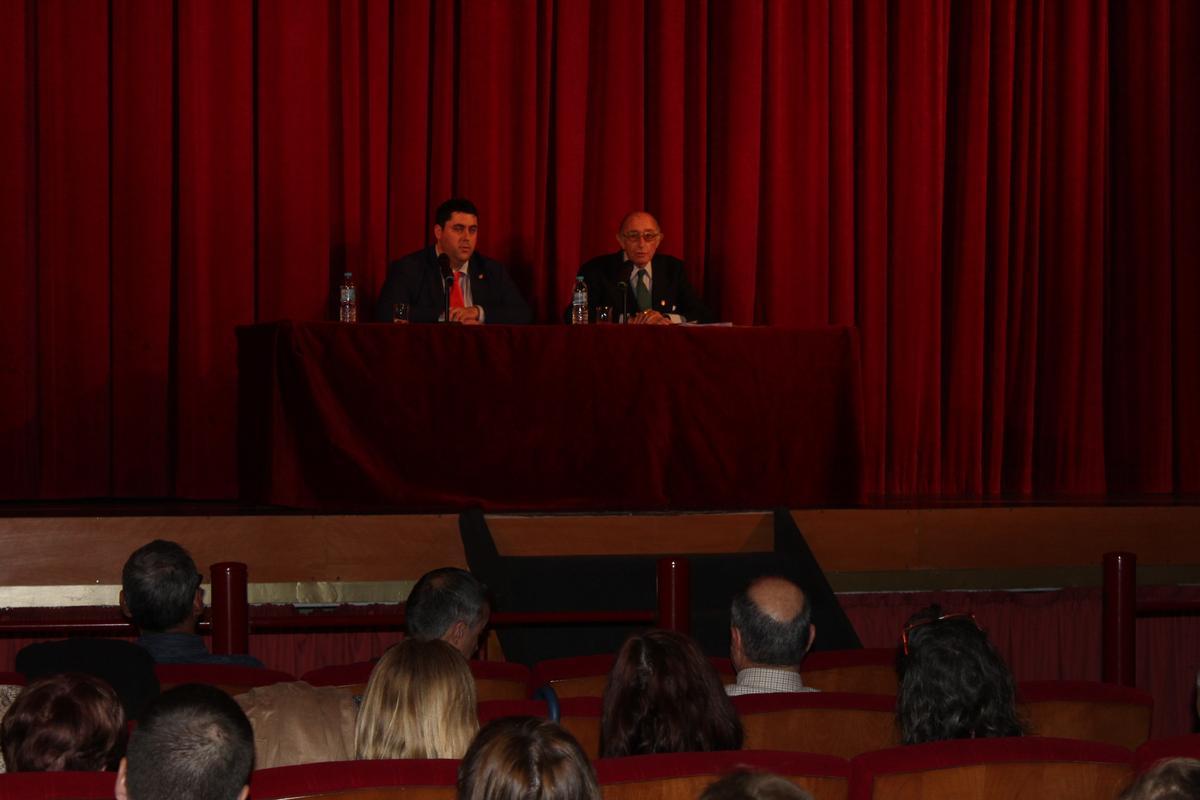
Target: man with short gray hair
(448, 604)
(770, 632)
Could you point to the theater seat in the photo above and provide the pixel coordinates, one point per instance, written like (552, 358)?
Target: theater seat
(57, 785)
(683, 776)
(494, 680)
(230, 678)
(489, 710)
(833, 723)
(412, 779)
(12, 679)
(1097, 712)
(993, 769)
(585, 676)
(581, 716)
(1156, 750)
(869, 670)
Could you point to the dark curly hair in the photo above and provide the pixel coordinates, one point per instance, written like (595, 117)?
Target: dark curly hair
(953, 683)
(66, 722)
(664, 696)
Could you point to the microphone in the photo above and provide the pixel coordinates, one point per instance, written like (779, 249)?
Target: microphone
(623, 288)
(447, 280)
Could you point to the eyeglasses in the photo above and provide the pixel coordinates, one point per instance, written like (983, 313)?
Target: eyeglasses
(649, 237)
(912, 626)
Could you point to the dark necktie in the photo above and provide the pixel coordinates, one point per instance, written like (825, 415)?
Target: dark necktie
(643, 291)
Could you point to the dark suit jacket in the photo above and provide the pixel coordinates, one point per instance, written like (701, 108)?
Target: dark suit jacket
(416, 279)
(670, 294)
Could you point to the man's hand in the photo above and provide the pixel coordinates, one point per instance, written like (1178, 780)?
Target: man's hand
(649, 317)
(467, 315)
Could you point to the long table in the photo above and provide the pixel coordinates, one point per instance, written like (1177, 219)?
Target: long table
(547, 418)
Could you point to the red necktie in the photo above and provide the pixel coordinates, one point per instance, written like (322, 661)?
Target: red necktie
(456, 295)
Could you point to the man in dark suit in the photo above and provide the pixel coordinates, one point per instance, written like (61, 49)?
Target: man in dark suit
(653, 290)
(482, 290)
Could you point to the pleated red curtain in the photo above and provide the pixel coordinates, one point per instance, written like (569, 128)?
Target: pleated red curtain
(1000, 195)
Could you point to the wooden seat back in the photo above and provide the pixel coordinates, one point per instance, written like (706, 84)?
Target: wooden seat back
(833, 723)
(1095, 712)
(684, 776)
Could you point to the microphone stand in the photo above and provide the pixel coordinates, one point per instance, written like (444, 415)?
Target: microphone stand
(624, 288)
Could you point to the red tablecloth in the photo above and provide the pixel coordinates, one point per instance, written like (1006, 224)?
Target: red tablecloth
(425, 417)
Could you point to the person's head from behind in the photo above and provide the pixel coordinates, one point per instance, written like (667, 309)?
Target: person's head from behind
(1172, 779)
(524, 758)
(193, 743)
(419, 703)
(953, 683)
(448, 604)
(747, 785)
(160, 588)
(67, 722)
(770, 625)
(664, 696)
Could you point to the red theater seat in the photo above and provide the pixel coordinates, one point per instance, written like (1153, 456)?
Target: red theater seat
(993, 769)
(12, 679)
(585, 676)
(412, 779)
(494, 680)
(489, 710)
(1097, 712)
(1156, 750)
(57, 785)
(870, 670)
(840, 724)
(227, 677)
(683, 776)
(581, 716)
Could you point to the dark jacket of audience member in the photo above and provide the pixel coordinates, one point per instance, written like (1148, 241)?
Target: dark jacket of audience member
(68, 722)
(517, 758)
(953, 683)
(124, 666)
(193, 743)
(664, 696)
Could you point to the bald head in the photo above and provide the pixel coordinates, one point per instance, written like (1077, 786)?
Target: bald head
(637, 220)
(771, 623)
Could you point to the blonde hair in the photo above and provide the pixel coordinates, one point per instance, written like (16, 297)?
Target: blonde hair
(420, 703)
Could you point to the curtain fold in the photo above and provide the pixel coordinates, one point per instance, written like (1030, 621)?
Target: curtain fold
(1000, 195)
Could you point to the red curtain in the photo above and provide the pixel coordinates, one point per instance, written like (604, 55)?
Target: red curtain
(1002, 196)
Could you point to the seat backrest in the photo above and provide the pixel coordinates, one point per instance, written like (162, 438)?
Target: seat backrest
(586, 676)
(494, 680)
(230, 678)
(833, 723)
(869, 670)
(993, 769)
(684, 776)
(581, 717)
(500, 680)
(58, 785)
(1096, 712)
(412, 779)
(1156, 750)
(489, 710)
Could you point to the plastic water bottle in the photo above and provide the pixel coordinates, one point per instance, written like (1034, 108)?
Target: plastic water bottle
(347, 299)
(579, 302)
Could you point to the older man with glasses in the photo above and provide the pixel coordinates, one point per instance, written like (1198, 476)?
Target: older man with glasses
(161, 594)
(648, 288)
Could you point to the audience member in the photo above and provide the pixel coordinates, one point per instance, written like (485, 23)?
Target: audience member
(1172, 779)
(664, 696)
(769, 631)
(193, 743)
(448, 604)
(746, 785)
(420, 703)
(67, 722)
(124, 666)
(161, 593)
(953, 683)
(524, 758)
